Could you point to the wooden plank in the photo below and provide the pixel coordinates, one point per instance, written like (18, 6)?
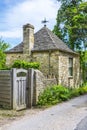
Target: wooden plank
(5, 88)
(5, 72)
(5, 104)
(5, 77)
(21, 107)
(19, 94)
(21, 70)
(4, 92)
(5, 96)
(14, 89)
(11, 91)
(5, 84)
(5, 101)
(23, 89)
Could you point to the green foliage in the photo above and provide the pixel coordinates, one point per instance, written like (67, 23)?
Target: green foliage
(53, 95)
(25, 64)
(71, 24)
(74, 92)
(56, 94)
(3, 47)
(82, 90)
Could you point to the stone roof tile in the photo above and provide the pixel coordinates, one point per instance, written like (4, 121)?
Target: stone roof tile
(44, 39)
(16, 49)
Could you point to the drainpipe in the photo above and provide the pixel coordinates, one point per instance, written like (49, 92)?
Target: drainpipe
(49, 62)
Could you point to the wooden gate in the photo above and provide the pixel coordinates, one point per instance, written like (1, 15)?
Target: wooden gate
(19, 88)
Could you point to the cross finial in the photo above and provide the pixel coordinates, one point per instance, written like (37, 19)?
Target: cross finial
(44, 22)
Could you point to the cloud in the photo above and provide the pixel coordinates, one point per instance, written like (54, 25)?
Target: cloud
(11, 34)
(28, 11)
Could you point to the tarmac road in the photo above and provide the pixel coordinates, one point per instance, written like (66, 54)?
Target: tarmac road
(82, 125)
(64, 116)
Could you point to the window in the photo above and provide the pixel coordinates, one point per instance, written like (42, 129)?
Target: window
(70, 66)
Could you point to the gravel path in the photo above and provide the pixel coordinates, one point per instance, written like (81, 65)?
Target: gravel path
(64, 116)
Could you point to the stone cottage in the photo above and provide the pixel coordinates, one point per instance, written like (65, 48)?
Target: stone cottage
(55, 57)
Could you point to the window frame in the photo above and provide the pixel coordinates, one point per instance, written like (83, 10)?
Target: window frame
(70, 68)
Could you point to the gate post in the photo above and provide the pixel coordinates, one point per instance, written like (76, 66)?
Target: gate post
(14, 88)
(30, 87)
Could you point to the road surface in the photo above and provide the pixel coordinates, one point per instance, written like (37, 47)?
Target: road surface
(64, 116)
(82, 125)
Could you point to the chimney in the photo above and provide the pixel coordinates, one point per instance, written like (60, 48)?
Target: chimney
(28, 38)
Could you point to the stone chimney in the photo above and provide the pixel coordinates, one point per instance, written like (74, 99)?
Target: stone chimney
(28, 38)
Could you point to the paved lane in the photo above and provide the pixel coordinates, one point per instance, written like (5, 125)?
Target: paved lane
(82, 125)
(64, 116)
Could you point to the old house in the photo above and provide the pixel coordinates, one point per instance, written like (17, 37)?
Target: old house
(55, 57)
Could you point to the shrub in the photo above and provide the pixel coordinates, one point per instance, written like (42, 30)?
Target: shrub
(82, 90)
(53, 95)
(56, 94)
(74, 92)
(25, 65)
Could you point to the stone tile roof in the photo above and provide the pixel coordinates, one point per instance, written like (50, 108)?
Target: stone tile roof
(16, 49)
(44, 40)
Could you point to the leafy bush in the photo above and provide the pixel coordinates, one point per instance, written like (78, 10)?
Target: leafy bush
(56, 94)
(82, 90)
(25, 65)
(74, 92)
(53, 95)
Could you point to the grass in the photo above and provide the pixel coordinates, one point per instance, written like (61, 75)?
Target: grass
(10, 113)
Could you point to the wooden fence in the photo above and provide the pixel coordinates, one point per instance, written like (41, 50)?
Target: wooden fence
(20, 88)
(6, 88)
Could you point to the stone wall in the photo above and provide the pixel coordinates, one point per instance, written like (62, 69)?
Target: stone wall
(48, 62)
(76, 69)
(57, 63)
(11, 57)
(40, 83)
(64, 78)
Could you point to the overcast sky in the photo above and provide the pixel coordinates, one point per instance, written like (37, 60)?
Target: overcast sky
(15, 13)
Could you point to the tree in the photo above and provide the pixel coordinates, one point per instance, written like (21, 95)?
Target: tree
(3, 47)
(71, 24)
(71, 27)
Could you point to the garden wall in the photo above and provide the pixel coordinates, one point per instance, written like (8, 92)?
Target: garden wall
(40, 83)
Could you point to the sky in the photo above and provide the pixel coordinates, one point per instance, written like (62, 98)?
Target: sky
(16, 13)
